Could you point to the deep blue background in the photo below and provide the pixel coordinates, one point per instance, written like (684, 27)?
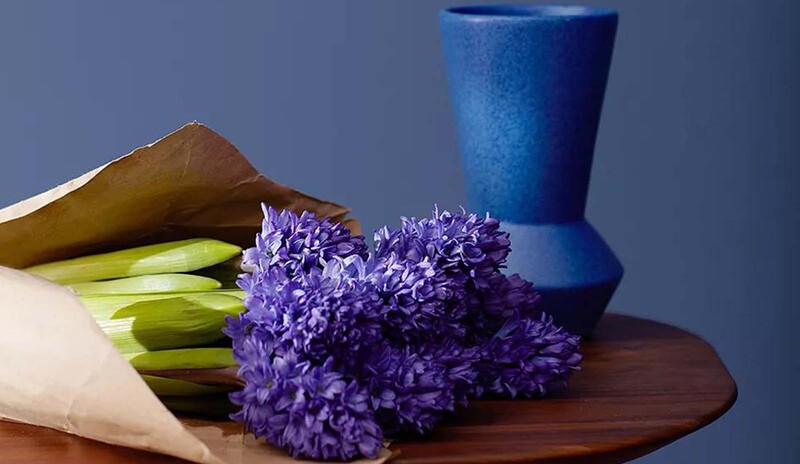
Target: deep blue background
(695, 176)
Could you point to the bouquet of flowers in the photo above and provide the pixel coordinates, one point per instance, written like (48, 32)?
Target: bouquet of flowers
(337, 347)
(305, 336)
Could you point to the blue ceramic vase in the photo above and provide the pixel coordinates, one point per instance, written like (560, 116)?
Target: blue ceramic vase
(527, 86)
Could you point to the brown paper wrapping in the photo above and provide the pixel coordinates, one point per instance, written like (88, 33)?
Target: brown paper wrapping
(191, 183)
(57, 368)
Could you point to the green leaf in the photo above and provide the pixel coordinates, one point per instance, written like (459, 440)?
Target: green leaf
(162, 386)
(171, 257)
(159, 283)
(104, 306)
(185, 358)
(182, 322)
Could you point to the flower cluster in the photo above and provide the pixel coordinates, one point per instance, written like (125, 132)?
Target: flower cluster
(338, 347)
(527, 357)
(311, 410)
(504, 298)
(420, 301)
(464, 245)
(322, 313)
(299, 244)
(414, 385)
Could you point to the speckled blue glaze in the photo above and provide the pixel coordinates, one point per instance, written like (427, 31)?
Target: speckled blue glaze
(527, 86)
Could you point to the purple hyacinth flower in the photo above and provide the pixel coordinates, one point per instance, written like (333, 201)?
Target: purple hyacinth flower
(528, 357)
(336, 347)
(318, 314)
(505, 297)
(413, 386)
(300, 243)
(466, 246)
(420, 302)
(311, 411)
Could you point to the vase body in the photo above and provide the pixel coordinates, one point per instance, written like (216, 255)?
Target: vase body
(527, 86)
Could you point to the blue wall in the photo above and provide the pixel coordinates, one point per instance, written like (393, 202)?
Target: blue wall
(694, 182)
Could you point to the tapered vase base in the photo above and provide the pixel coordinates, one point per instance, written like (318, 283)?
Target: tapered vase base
(570, 265)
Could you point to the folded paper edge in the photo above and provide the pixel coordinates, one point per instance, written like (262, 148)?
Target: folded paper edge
(38, 299)
(30, 205)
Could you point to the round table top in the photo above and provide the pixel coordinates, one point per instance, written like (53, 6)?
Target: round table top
(644, 384)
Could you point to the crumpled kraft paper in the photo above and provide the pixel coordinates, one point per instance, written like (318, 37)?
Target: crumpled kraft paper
(191, 183)
(57, 368)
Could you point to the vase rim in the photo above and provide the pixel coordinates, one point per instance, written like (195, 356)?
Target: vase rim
(525, 12)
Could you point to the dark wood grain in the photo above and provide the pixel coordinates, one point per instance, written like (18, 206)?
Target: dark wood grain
(644, 385)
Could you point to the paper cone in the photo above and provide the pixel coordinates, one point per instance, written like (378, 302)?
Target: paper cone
(191, 183)
(58, 369)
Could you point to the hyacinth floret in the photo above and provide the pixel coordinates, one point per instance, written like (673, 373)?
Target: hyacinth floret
(466, 246)
(505, 297)
(528, 357)
(318, 314)
(300, 243)
(311, 410)
(412, 387)
(419, 301)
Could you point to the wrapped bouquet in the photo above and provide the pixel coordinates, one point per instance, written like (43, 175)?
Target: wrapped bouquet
(159, 274)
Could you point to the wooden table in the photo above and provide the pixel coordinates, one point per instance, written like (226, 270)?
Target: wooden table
(644, 385)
